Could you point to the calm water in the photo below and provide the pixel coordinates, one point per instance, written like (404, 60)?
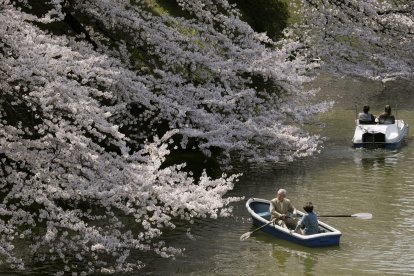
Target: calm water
(340, 180)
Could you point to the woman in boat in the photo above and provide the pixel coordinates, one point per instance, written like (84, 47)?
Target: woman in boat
(282, 210)
(308, 225)
(386, 117)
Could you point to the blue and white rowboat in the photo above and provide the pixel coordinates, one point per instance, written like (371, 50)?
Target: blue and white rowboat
(259, 210)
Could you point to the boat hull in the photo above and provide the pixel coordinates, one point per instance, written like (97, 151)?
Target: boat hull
(390, 136)
(259, 210)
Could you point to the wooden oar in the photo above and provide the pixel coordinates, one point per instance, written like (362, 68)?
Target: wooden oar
(358, 215)
(246, 235)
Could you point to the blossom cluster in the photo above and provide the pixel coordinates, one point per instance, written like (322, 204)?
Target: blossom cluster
(371, 39)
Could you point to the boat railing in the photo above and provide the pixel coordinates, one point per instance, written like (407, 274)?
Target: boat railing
(398, 123)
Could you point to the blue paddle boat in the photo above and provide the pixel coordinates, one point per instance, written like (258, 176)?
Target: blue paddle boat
(259, 210)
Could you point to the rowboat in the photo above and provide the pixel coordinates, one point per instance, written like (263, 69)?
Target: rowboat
(389, 136)
(259, 211)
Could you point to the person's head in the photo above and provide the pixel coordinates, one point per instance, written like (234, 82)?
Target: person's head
(308, 207)
(281, 194)
(387, 109)
(366, 108)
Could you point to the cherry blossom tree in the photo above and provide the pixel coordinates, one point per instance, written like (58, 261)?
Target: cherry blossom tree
(372, 39)
(83, 179)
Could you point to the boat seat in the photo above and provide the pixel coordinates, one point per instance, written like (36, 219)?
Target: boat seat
(366, 122)
(264, 214)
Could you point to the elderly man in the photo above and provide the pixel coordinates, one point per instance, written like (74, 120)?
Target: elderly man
(281, 210)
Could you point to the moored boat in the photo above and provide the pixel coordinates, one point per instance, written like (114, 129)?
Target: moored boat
(259, 211)
(389, 136)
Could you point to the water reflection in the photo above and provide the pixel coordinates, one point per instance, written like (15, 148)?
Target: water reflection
(376, 159)
(288, 258)
(283, 254)
(281, 259)
(309, 263)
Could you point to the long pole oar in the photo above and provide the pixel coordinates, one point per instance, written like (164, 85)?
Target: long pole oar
(358, 215)
(246, 235)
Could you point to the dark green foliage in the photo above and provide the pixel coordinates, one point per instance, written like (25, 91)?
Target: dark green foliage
(269, 16)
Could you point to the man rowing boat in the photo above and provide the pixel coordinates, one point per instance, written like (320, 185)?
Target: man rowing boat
(282, 210)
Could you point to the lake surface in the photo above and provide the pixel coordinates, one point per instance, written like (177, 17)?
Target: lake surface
(340, 180)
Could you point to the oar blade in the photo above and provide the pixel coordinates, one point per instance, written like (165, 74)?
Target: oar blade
(245, 236)
(362, 215)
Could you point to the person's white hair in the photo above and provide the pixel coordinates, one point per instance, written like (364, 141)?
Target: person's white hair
(281, 191)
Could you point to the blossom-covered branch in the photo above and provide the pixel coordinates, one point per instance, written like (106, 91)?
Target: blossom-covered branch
(370, 39)
(81, 164)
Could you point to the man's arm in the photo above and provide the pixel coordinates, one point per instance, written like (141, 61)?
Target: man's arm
(273, 211)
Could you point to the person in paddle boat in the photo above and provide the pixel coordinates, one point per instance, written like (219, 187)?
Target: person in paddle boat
(386, 118)
(365, 117)
(282, 211)
(308, 224)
